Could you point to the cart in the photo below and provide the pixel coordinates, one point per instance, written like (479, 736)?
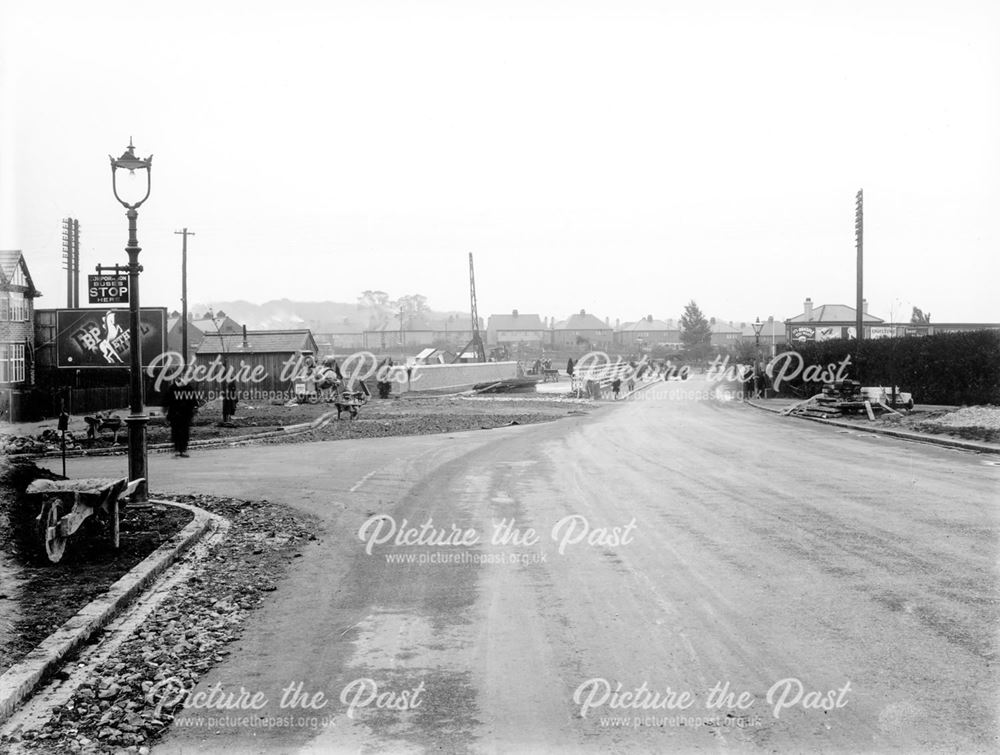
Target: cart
(66, 504)
(349, 401)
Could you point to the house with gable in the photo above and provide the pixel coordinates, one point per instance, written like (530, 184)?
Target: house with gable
(197, 328)
(515, 328)
(725, 333)
(17, 331)
(829, 321)
(648, 333)
(582, 331)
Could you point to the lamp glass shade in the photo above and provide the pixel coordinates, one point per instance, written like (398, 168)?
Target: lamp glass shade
(131, 187)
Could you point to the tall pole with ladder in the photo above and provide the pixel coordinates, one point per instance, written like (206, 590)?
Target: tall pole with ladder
(477, 338)
(71, 261)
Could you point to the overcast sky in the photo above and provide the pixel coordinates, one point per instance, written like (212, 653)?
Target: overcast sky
(619, 157)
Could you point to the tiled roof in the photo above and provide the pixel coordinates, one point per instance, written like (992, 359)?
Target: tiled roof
(834, 313)
(644, 325)
(723, 327)
(520, 322)
(9, 261)
(224, 324)
(582, 321)
(260, 342)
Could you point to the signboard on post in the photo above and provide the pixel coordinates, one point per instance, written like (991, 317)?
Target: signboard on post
(803, 334)
(107, 289)
(100, 337)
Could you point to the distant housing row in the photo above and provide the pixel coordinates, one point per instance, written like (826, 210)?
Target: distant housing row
(513, 330)
(28, 338)
(585, 330)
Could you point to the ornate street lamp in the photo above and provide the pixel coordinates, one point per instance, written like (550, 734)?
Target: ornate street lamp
(137, 418)
(757, 325)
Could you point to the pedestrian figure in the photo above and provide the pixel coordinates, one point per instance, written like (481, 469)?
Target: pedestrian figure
(230, 397)
(384, 382)
(616, 386)
(180, 403)
(631, 384)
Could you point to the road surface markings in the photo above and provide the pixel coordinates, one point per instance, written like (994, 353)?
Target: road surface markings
(361, 482)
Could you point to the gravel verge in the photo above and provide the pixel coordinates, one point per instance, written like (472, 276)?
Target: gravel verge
(183, 638)
(969, 423)
(426, 415)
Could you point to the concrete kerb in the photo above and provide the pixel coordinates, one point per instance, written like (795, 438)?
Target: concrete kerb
(965, 445)
(23, 678)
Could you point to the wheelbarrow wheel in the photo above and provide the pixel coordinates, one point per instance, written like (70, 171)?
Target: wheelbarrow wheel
(53, 543)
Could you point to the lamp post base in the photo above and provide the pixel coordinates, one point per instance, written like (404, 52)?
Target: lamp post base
(136, 424)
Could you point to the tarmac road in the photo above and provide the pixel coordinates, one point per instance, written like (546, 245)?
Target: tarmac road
(844, 584)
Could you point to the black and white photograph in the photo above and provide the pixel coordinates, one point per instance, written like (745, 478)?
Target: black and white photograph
(452, 376)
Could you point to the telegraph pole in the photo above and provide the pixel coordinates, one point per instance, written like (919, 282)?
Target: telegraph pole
(184, 294)
(859, 232)
(71, 261)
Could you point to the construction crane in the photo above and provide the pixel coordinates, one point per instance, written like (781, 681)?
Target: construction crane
(476, 344)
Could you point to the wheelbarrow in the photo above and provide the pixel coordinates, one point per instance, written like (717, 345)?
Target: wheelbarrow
(66, 504)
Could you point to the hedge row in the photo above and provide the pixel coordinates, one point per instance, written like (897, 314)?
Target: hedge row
(948, 368)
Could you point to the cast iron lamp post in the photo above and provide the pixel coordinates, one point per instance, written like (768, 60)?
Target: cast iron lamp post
(137, 418)
(757, 325)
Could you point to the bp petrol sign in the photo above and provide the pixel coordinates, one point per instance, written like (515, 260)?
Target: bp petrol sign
(100, 337)
(107, 289)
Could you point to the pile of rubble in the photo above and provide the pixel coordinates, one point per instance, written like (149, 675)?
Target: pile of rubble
(970, 422)
(20, 444)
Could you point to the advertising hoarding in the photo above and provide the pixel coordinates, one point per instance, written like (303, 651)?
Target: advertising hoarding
(100, 337)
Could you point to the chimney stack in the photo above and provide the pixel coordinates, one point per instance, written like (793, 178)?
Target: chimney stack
(809, 308)
(864, 306)
(246, 344)
(514, 313)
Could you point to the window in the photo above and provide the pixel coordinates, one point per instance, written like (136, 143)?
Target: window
(4, 307)
(11, 362)
(18, 307)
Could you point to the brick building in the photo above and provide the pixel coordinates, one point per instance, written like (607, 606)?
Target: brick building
(582, 331)
(829, 321)
(17, 316)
